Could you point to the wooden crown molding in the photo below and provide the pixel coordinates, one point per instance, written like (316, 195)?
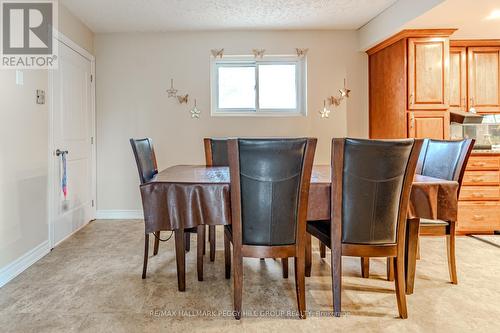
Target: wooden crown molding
(408, 33)
(475, 42)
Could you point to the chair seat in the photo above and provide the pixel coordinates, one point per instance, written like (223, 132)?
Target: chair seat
(320, 230)
(424, 222)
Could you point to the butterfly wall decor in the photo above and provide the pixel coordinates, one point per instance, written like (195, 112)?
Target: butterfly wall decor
(183, 98)
(301, 52)
(258, 53)
(217, 53)
(335, 100)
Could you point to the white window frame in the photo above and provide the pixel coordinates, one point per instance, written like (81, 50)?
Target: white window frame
(301, 85)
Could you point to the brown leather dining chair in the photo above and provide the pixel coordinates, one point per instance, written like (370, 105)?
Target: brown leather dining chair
(146, 165)
(270, 181)
(215, 155)
(371, 183)
(447, 160)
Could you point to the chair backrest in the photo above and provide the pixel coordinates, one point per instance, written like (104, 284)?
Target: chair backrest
(376, 178)
(145, 158)
(445, 159)
(216, 152)
(269, 188)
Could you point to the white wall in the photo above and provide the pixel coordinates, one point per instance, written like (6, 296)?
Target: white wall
(24, 161)
(134, 70)
(393, 20)
(23, 166)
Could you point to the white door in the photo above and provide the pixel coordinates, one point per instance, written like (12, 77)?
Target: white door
(72, 131)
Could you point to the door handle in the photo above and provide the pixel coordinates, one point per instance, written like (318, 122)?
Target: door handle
(61, 152)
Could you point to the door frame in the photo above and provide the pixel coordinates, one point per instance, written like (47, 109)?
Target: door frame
(60, 37)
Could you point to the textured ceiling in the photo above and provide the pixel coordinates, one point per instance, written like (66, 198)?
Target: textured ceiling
(164, 15)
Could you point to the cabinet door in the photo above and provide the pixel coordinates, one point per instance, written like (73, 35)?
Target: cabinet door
(484, 73)
(428, 73)
(429, 124)
(458, 78)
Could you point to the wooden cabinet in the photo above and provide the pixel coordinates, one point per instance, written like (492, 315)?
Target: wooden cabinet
(428, 73)
(428, 124)
(479, 205)
(458, 79)
(484, 74)
(478, 217)
(409, 85)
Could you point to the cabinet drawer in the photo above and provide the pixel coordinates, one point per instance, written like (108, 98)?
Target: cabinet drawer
(478, 216)
(480, 193)
(483, 163)
(481, 178)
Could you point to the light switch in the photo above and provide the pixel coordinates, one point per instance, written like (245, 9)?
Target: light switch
(19, 77)
(40, 96)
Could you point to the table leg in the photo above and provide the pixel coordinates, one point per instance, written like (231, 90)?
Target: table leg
(365, 267)
(199, 250)
(180, 257)
(412, 227)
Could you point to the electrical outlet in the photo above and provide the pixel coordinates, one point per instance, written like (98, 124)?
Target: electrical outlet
(40, 96)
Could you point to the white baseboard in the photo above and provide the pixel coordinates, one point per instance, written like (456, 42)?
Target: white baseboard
(16, 267)
(119, 214)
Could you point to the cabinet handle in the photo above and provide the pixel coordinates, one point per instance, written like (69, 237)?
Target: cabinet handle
(477, 195)
(412, 120)
(477, 179)
(472, 101)
(478, 217)
(478, 164)
(411, 99)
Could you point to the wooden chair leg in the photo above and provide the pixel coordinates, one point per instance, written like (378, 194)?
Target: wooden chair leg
(205, 241)
(390, 269)
(146, 254)
(180, 257)
(399, 281)
(418, 250)
(211, 237)
(336, 264)
(238, 283)
(187, 241)
(227, 256)
(200, 233)
(450, 244)
(300, 287)
(322, 249)
(413, 227)
(284, 264)
(365, 267)
(308, 258)
(157, 243)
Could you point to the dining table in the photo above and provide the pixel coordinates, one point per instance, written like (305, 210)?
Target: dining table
(185, 196)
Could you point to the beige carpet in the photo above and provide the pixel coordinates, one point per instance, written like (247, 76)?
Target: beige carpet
(92, 283)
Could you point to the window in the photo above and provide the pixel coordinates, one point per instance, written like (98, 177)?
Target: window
(243, 86)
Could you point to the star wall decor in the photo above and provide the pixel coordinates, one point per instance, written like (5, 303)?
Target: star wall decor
(336, 100)
(325, 112)
(195, 113)
(172, 92)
